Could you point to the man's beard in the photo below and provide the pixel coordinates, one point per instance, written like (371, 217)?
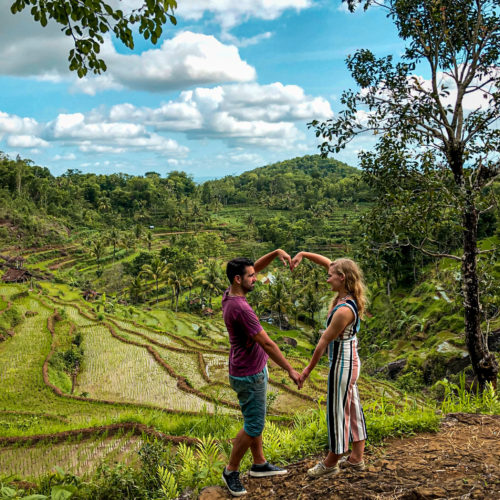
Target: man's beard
(247, 289)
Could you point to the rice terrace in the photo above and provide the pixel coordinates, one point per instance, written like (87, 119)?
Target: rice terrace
(196, 305)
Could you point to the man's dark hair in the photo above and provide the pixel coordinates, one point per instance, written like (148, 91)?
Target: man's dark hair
(236, 267)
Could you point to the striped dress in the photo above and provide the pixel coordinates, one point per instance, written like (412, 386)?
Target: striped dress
(345, 418)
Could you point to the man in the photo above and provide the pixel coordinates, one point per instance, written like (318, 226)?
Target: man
(250, 349)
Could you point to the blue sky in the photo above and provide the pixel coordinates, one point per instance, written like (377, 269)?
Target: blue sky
(229, 89)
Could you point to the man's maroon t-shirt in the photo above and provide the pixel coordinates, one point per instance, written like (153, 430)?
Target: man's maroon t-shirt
(246, 356)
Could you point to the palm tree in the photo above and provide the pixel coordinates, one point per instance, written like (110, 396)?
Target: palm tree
(278, 298)
(156, 271)
(212, 279)
(311, 302)
(97, 248)
(149, 239)
(115, 238)
(188, 281)
(104, 204)
(175, 281)
(138, 231)
(136, 289)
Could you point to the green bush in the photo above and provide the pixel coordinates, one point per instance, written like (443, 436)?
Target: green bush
(411, 381)
(453, 323)
(12, 317)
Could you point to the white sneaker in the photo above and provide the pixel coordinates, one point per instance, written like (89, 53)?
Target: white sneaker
(320, 469)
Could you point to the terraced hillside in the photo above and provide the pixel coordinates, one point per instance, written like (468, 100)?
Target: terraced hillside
(134, 379)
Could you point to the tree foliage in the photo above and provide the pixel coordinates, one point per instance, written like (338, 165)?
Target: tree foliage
(88, 21)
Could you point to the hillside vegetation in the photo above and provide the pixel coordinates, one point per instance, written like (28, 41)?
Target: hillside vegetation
(115, 351)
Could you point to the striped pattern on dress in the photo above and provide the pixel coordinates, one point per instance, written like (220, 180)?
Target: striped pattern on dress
(345, 418)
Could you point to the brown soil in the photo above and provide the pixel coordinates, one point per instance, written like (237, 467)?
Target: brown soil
(461, 461)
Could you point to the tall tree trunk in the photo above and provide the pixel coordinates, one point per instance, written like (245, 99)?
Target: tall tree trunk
(483, 362)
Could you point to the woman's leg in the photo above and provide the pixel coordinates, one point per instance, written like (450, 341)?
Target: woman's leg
(357, 427)
(358, 449)
(331, 459)
(341, 381)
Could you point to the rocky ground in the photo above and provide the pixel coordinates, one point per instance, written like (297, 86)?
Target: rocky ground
(461, 461)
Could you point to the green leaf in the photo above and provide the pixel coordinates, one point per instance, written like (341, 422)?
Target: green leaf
(60, 493)
(7, 492)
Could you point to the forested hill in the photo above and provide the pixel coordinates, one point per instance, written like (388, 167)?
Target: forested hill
(296, 183)
(31, 196)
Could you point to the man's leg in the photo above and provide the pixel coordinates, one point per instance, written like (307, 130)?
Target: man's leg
(241, 443)
(257, 450)
(251, 391)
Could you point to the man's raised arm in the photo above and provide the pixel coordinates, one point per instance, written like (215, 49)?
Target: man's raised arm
(265, 260)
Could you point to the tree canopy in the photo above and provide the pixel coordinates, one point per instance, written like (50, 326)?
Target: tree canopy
(436, 152)
(88, 21)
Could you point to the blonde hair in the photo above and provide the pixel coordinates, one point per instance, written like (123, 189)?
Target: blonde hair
(354, 283)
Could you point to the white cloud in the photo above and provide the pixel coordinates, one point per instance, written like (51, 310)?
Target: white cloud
(241, 157)
(12, 124)
(187, 59)
(245, 42)
(91, 84)
(26, 141)
(240, 115)
(262, 115)
(230, 13)
(149, 142)
(94, 134)
(27, 49)
(68, 157)
(75, 126)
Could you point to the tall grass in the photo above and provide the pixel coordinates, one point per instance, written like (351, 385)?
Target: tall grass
(385, 419)
(458, 400)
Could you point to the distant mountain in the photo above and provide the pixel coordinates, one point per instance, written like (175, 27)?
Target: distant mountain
(312, 165)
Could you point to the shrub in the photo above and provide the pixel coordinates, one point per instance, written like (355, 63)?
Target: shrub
(12, 317)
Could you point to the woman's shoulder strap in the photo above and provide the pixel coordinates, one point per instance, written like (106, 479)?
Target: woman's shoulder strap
(351, 304)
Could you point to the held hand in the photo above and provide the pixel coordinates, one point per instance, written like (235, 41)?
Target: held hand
(295, 376)
(285, 258)
(303, 376)
(296, 261)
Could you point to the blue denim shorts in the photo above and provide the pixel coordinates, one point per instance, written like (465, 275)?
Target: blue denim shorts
(251, 391)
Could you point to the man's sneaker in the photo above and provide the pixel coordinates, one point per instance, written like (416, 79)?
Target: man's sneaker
(266, 470)
(233, 483)
(345, 464)
(320, 469)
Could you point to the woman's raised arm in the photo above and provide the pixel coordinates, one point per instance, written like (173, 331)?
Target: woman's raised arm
(313, 257)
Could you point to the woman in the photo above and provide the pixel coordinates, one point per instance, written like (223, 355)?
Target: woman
(345, 417)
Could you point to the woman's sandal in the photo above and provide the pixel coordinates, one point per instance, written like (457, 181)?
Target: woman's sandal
(320, 469)
(344, 463)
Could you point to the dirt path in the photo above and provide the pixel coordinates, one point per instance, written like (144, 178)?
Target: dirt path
(461, 461)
